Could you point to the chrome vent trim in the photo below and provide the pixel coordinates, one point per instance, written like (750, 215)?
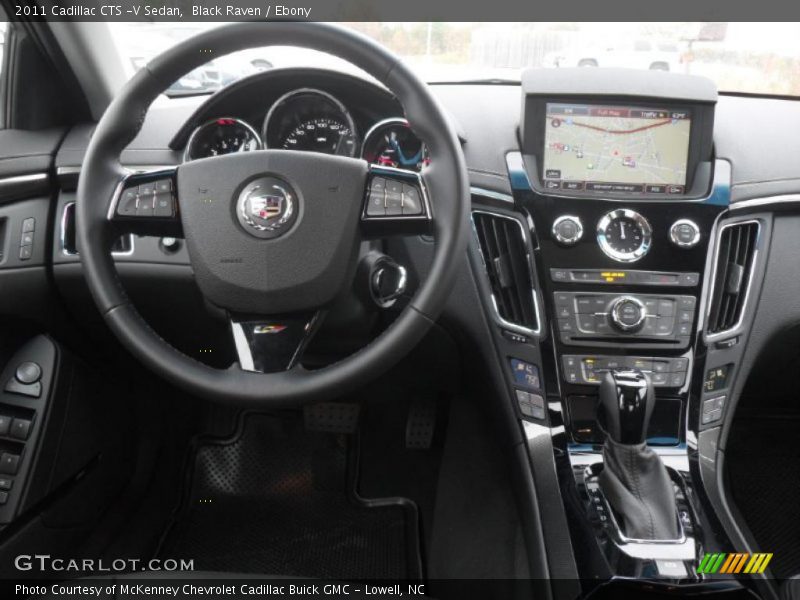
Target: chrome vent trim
(736, 254)
(515, 306)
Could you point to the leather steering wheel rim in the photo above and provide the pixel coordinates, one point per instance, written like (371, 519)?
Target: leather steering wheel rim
(446, 180)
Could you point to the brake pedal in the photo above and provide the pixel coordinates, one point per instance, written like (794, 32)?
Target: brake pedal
(421, 425)
(331, 417)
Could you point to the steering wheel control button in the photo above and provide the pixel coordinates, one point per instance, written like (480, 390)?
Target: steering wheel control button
(412, 203)
(164, 205)
(394, 198)
(628, 314)
(28, 372)
(685, 233)
(267, 207)
(526, 375)
(376, 203)
(9, 463)
(127, 202)
(567, 230)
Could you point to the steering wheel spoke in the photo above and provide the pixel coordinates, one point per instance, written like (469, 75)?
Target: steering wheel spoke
(147, 203)
(271, 344)
(395, 203)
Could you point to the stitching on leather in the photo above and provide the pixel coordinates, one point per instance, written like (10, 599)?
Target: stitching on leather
(651, 528)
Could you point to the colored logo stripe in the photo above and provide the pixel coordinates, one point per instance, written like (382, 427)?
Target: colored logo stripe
(736, 562)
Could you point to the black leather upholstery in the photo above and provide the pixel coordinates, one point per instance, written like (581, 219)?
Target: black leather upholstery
(637, 485)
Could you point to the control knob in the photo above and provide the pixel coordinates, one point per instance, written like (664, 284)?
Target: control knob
(684, 233)
(628, 314)
(567, 230)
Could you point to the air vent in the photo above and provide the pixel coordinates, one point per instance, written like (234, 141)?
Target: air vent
(736, 252)
(507, 260)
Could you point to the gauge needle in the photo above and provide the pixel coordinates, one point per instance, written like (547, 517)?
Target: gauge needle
(622, 231)
(403, 160)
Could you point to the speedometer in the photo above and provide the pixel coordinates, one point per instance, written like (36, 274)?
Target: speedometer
(221, 136)
(312, 120)
(325, 134)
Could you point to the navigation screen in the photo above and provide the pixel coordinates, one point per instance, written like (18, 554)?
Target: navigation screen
(616, 149)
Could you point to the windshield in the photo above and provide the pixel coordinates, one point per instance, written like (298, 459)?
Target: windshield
(759, 58)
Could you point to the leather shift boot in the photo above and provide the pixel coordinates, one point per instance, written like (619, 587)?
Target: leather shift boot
(637, 485)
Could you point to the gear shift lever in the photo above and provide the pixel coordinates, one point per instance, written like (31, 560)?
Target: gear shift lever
(626, 400)
(634, 480)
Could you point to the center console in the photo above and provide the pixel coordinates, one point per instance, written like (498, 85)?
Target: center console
(617, 182)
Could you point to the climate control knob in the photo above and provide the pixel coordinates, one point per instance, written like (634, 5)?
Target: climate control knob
(628, 314)
(567, 230)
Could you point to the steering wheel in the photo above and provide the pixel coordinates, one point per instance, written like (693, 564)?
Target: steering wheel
(272, 235)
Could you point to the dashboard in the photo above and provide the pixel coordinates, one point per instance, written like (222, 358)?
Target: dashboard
(627, 271)
(310, 119)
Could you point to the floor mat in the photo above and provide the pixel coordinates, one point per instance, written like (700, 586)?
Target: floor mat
(762, 461)
(275, 500)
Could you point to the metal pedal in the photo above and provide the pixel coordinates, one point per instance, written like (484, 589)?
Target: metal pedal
(421, 425)
(331, 417)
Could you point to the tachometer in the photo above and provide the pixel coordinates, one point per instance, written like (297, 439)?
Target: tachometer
(392, 143)
(325, 134)
(221, 136)
(312, 120)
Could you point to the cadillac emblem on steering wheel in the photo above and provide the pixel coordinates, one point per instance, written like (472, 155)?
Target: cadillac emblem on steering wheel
(266, 207)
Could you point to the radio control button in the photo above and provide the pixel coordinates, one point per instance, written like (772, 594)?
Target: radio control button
(685, 233)
(567, 230)
(586, 323)
(665, 325)
(666, 308)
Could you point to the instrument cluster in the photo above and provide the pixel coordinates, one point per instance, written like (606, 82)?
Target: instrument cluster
(312, 120)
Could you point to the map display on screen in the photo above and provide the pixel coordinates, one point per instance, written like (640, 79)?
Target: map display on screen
(616, 148)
